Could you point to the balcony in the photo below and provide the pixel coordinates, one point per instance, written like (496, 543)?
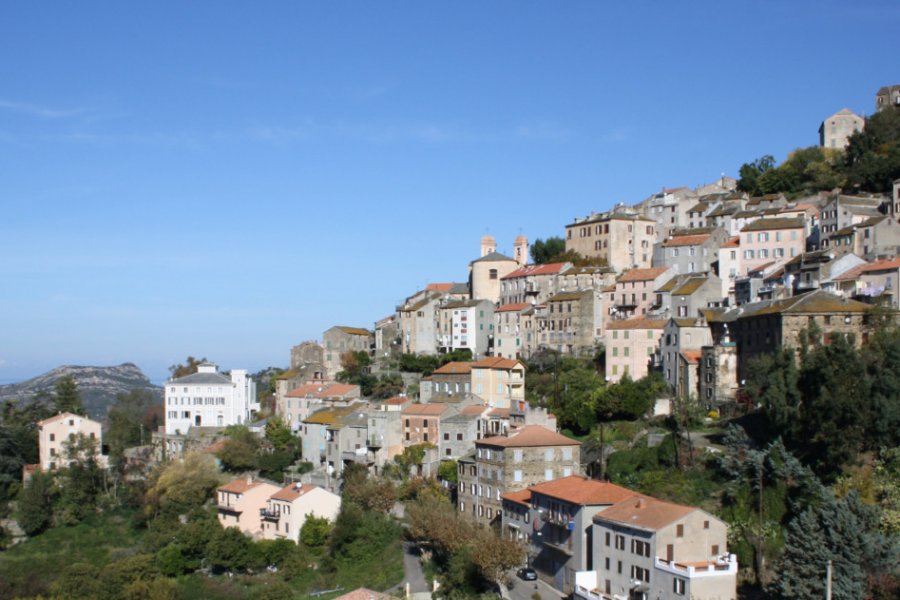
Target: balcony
(230, 509)
(375, 441)
(267, 515)
(564, 547)
(725, 565)
(360, 458)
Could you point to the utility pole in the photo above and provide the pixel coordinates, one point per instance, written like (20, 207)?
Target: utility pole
(828, 580)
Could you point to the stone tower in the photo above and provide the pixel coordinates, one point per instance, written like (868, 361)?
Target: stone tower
(488, 245)
(520, 250)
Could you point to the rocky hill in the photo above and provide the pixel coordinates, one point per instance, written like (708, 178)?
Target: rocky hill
(98, 386)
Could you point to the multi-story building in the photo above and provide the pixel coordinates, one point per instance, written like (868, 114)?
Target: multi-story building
(285, 512)
(451, 382)
(486, 271)
(634, 295)
(305, 399)
(317, 433)
(718, 383)
(466, 325)
(387, 336)
(574, 322)
(239, 502)
(341, 339)
(632, 347)
(532, 284)
(876, 237)
(505, 463)
(556, 518)
(771, 240)
(875, 283)
(680, 347)
(690, 251)
(459, 432)
(58, 440)
(422, 422)
(729, 265)
(623, 239)
(818, 269)
(499, 382)
(842, 211)
(835, 131)
(669, 209)
(646, 548)
(209, 399)
(509, 330)
(418, 322)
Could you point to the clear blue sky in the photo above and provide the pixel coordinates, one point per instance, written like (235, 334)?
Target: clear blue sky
(227, 179)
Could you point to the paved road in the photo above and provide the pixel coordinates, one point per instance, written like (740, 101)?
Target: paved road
(412, 570)
(524, 590)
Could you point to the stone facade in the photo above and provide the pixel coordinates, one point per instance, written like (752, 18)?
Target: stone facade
(340, 339)
(835, 131)
(573, 322)
(623, 239)
(503, 464)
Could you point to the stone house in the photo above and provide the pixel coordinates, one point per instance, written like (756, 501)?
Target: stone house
(451, 382)
(888, 95)
(835, 131)
(646, 548)
(388, 336)
(302, 401)
(873, 283)
(418, 322)
(422, 422)
(818, 269)
(634, 294)
(729, 266)
(876, 237)
(239, 501)
(690, 251)
(316, 435)
(458, 434)
(840, 212)
(680, 346)
(506, 463)
(573, 322)
(286, 510)
(341, 339)
(632, 347)
(531, 284)
(509, 331)
(718, 376)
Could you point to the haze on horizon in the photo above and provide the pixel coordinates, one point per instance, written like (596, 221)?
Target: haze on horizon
(223, 181)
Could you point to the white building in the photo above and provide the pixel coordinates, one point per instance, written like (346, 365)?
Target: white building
(208, 398)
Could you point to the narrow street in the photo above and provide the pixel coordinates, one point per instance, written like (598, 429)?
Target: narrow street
(524, 590)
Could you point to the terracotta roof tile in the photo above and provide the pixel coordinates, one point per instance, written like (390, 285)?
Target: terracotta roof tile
(692, 356)
(354, 330)
(732, 242)
(644, 512)
(528, 436)
(685, 240)
(522, 497)
(292, 492)
(775, 223)
(307, 389)
(435, 408)
(581, 490)
(439, 287)
(454, 368)
(547, 269)
(496, 362)
(337, 389)
(240, 485)
(512, 307)
(638, 324)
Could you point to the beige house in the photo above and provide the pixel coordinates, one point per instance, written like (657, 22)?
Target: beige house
(421, 423)
(285, 512)
(505, 463)
(632, 347)
(499, 382)
(646, 548)
(509, 330)
(625, 240)
(57, 433)
(634, 295)
(835, 131)
(340, 339)
(239, 504)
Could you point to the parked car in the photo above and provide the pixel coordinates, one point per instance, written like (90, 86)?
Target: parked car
(527, 574)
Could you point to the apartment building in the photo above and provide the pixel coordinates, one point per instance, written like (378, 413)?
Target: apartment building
(285, 511)
(632, 347)
(509, 331)
(531, 284)
(466, 325)
(238, 504)
(634, 295)
(623, 239)
(771, 240)
(499, 382)
(341, 339)
(209, 399)
(58, 438)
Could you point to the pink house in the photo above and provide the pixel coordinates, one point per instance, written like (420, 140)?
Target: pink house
(771, 240)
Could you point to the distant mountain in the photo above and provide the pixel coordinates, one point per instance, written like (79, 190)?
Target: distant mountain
(98, 386)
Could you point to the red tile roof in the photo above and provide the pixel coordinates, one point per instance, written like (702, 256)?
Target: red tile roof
(686, 240)
(439, 287)
(512, 307)
(435, 408)
(528, 436)
(397, 400)
(522, 497)
(642, 274)
(454, 368)
(292, 492)
(500, 413)
(548, 269)
(496, 362)
(581, 490)
(474, 409)
(644, 512)
(692, 356)
(732, 242)
(239, 486)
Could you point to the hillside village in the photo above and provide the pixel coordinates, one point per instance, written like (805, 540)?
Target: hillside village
(688, 285)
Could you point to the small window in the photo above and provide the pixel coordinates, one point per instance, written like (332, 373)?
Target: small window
(679, 531)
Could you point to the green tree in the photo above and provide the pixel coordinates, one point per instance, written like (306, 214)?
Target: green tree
(844, 532)
(35, 503)
(750, 174)
(315, 531)
(81, 481)
(66, 397)
(230, 550)
(78, 580)
(240, 450)
(126, 423)
(190, 366)
(182, 485)
(448, 471)
(543, 252)
(872, 157)
(278, 434)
